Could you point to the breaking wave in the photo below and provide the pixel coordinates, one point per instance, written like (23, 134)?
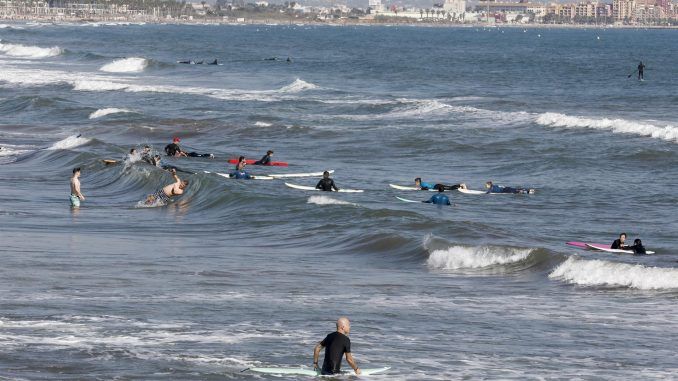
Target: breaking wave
(126, 65)
(463, 257)
(23, 51)
(106, 111)
(668, 132)
(262, 124)
(605, 273)
(297, 86)
(69, 142)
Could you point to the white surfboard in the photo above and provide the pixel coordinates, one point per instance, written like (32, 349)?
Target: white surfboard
(290, 175)
(254, 177)
(311, 372)
(405, 200)
(302, 187)
(471, 191)
(401, 187)
(608, 250)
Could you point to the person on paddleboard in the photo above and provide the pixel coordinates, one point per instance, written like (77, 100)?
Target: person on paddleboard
(493, 188)
(336, 344)
(266, 159)
(173, 149)
(326, 184)
(165, 194)
(439, 198)
(426, 186)
(641, 68)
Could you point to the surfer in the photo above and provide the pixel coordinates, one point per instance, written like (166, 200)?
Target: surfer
(335, 344)
(146, 155)
(426, 186)
(189, 62)
(493, 188)
(620, 243)
(641, 67)
(266, 159)
(165, 193)
(214, 62)
(173, 149)
(326, 184)
(76, 195)
(439, 198)
(638, 248)
(239, 172)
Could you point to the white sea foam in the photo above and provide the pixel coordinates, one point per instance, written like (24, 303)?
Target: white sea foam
(23, 51)
(126, 65)
(297, 86)
(667, 132)
(605, 273)
(69, 142)
(262, 124)
(107, 111)
(462, 257)
(325, 200)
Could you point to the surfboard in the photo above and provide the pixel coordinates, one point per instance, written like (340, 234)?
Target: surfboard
(109, 161)
(405, 200)
(471, 191)
(316, 373)
(405, 188)
(289, 175)
(254, 177)
(302, 187)
(252, 161)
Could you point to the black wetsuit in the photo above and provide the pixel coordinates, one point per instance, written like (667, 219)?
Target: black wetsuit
(266, 160)
(336, 344)
(326, 185)
(617, 245)
(641, 67)
(172, 149)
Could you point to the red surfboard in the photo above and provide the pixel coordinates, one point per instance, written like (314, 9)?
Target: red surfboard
(251, 162)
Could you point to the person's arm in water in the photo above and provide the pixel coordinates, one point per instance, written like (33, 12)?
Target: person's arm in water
(319, 185)
(334, 186)
(316, 355)
(351, 362)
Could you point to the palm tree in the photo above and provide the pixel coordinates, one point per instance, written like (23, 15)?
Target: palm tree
(421, 13)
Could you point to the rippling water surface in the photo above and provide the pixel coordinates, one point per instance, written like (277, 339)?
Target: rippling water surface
(243, 273)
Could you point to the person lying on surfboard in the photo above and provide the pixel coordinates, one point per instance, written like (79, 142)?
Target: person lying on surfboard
(493, 188)
(266, 160)
(326, 184)
(439, 198)
(426, 186)
(164, 194)
(620, 243)
(173, 149)
(336, 344)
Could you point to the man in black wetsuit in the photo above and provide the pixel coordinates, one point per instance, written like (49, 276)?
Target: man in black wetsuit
(335, 344)
(173, 149)
(641, 67)
(326, 184)
(620, 243)
(266, 160)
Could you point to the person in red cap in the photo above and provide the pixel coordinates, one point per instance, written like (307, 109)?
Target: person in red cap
(173, 149)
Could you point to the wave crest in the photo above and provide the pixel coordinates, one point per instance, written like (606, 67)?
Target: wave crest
(668, 132)
(297, 86)
(106, 111)
(325, 200)
(23, 51)
(604, 273)
(126, 65)
(69, 142)
(462, 257)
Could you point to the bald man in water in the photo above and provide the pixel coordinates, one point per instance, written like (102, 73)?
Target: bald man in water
(335, 344)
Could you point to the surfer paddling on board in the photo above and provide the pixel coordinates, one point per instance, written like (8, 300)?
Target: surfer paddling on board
(326, 184)
(426, 186)
(76, 195)
(439, 198)
(266, 160)
(493, 188)
(173, 149)
(164, 194)
(336, 344)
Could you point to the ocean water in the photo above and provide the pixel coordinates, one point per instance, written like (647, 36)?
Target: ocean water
(238, 274)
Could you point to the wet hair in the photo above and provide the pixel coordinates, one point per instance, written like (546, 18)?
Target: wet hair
(269, 152)
(622, 234)
(241, 158)
(489, 183)
(326, 173)
(147, 146)
(133, 150)
(637, 241)
(417, 179)
(185, 182)
(76, 169)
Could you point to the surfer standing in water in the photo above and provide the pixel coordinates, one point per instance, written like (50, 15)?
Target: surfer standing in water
(326, 184)
(439, 198)
(76, 195)
(641, 67)
(164, 194)
(239, 172)
(335, 344)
